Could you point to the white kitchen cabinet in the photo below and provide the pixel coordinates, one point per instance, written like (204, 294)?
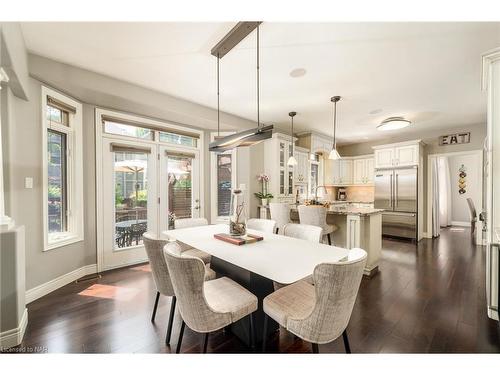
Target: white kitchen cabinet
(277, 150)
(359, 167)
(384, 158)
(395, 155)
(406, 155)
(301, 170)
(358, 170)
(370, 171)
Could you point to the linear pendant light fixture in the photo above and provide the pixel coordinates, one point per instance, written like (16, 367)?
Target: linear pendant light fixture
(334, 154)
(251, 136)
(291, 160)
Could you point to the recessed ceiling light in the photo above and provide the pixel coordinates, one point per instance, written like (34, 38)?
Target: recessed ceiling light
(393, 123)
(375, 111)
(299, 72)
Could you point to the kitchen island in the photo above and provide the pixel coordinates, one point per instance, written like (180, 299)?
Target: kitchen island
(357, 227)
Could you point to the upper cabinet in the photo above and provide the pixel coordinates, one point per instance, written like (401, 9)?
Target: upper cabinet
(396, 155)
(363, 171)
(277, 150)
(301, 170)
(357, 170)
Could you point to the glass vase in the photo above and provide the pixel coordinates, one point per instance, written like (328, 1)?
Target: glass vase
(238, 216)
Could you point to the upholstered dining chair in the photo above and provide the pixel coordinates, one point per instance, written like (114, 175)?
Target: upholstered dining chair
(316, 215)
(306, 232)
(186, 249)
(280, 212)
(319, 313)
(161, 276)
(206, 306)
(262, 225)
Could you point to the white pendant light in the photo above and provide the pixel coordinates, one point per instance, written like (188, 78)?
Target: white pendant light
(291, 160)
(393, 123)
(334, 154)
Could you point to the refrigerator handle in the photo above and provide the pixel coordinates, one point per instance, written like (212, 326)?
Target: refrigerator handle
(392, 192)
(395, 190)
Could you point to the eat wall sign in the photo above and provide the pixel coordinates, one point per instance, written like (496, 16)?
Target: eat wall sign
(454, 139)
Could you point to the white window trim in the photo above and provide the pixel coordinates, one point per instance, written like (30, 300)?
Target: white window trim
(147, 121)
(74, 174)
(213, 179)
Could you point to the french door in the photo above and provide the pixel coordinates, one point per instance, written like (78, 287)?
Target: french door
(179, 184)
(142, 183)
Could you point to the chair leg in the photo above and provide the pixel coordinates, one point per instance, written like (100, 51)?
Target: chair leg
(315, 348)
(329, 239)
(205, 342)
(252, 331)
(346, 342)
(181, 333)
(155, 307)
(264, 333)
(170, 320)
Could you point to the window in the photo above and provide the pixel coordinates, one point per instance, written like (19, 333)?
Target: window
(62, 169)
(178, 139)
(223, 179)
(112, 127)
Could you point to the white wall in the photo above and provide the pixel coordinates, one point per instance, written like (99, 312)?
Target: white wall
(459, 207)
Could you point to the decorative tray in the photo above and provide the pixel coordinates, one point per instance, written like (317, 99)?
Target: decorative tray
(248, 238)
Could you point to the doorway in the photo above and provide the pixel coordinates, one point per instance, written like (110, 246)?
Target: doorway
(145, 180)
(454, 195)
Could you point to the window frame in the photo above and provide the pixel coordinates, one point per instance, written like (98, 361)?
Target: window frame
(213, 179)
(73, 172)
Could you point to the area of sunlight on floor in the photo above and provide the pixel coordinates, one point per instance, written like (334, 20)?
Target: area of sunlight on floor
(110, 292)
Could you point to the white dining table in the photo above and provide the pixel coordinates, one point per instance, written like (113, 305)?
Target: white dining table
(278, 258)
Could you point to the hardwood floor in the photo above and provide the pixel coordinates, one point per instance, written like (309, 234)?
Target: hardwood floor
(429, 298)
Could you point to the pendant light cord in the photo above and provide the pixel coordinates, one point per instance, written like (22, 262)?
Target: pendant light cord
(218, 100)
(334, 125)
(292, 137)
(258, 80)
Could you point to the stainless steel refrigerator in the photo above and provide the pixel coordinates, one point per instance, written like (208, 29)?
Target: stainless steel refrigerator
(396, 193)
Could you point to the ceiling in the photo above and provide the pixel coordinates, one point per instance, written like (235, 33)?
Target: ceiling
(426, 72)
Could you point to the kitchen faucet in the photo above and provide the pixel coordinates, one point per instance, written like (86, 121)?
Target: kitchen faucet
(316, 191)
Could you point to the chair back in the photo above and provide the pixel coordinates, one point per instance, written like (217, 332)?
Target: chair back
(472, 209)
(336, 288)
(188, 275)
(262, 225)
(190, 222)
(303, 231)
(312, 215)
(159, 269)
(280, 212)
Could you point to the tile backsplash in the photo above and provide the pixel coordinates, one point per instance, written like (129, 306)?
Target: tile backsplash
(355, 193)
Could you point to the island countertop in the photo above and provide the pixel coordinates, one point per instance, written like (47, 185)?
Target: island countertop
(349, 211)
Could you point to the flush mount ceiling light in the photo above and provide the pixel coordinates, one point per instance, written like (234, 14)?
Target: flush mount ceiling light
(299, 72)
(246, 137)
(393, 123)
(334, 154)
(291, 160)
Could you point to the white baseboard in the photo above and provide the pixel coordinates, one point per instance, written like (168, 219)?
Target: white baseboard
(14, 336)
(48, 287)
(461, 223)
